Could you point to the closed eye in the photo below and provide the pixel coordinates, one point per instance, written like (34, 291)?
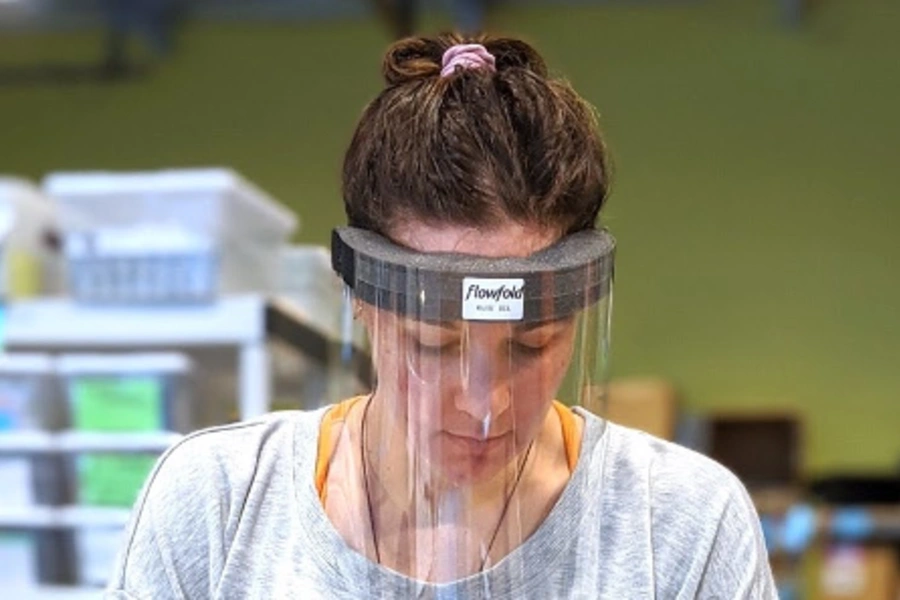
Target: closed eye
(434, 349)
(527, 350)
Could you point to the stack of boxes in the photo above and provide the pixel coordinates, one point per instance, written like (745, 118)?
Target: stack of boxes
(28, 469)
(79, 434)
(89, 447)
(126, 394)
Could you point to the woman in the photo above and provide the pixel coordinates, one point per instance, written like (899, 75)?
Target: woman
(472, 186)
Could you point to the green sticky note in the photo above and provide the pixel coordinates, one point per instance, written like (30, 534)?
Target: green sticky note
(112, 479)
(117, 403)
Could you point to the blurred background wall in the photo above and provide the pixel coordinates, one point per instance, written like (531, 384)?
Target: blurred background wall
(754, 200)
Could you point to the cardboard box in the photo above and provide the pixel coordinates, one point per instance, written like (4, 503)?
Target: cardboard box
(762, 449)
(646, 404)
(854, 572)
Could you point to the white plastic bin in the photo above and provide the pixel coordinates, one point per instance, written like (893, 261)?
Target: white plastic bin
(32, 471)
(108, 478)
(308, 283)
(168, 236)
(18, 559)
(137, 392)
(28, 394)
(130, 395)
(34, 556)
(95, 554)
(307, 280)
(28, 264)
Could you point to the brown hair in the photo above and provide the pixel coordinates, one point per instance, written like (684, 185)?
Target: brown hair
(476, 147)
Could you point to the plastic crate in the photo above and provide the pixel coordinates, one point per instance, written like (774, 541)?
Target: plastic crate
(307, 280)
(95, 551)
(19, 559)
(31, 476)
(128, 392)
(122, 393)
(34, 556)
(108, 479)
(107, 268)
(28, 394)
(169, 236)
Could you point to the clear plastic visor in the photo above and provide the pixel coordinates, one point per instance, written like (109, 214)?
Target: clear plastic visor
(468, 427)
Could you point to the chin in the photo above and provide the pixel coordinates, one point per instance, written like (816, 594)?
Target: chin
(462, 461)
(460, 474)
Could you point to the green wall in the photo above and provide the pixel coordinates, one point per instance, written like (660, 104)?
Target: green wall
(755, 201)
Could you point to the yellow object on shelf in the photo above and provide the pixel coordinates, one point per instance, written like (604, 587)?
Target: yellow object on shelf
(23, 274)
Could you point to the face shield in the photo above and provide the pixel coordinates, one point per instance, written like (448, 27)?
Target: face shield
(472, 359)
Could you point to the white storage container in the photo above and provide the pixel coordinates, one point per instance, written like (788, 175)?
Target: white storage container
(104, 473)
(95, 554)
(16, 480)
(168, 236)
(18, 560)
(32, 556)
(140, 392)
(129, 394)
(29, 398)
(29, 266)
(309, 285)
(307, 280)
(107, 478)
(32, 472)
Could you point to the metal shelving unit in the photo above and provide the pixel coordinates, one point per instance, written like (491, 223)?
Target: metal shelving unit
(237, 322)
(243, 324)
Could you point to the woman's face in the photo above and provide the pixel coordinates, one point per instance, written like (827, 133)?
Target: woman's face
(469, 395)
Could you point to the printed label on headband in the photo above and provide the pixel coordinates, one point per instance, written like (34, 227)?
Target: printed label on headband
(493, 299)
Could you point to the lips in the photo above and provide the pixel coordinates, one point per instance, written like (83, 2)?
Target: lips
(476, 446)
(474, 437)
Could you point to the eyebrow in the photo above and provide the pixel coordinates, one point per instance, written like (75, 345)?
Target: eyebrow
(455, 326)
(525, 327)
(440, 324)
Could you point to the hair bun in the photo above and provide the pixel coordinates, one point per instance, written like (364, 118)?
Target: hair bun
(515, 54)
(417, 58)
(411, 59)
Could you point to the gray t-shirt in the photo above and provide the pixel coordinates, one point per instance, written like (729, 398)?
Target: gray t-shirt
(233, 512)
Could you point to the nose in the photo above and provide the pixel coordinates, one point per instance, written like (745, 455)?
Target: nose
(485, 391)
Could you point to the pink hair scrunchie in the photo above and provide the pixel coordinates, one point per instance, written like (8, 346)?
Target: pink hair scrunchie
(466, 56)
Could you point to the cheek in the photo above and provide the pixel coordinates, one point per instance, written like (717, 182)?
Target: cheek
(418, 388)
(535, 386)
(542, 376)
(531, 395)
(394, 383)
(431, 388)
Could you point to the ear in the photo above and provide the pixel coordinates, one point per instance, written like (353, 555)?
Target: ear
(365, 314)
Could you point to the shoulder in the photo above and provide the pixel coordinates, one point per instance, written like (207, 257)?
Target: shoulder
(687, 492)
(632, 459)
(675, 476)
(230, 455)
(703, 532)
(219, 465)
(201, 492)
(239, 442)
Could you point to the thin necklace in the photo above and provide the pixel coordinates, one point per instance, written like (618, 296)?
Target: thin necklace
(374, 530)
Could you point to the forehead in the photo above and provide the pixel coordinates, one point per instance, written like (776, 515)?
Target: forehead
(509, 239)
(457, 327)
